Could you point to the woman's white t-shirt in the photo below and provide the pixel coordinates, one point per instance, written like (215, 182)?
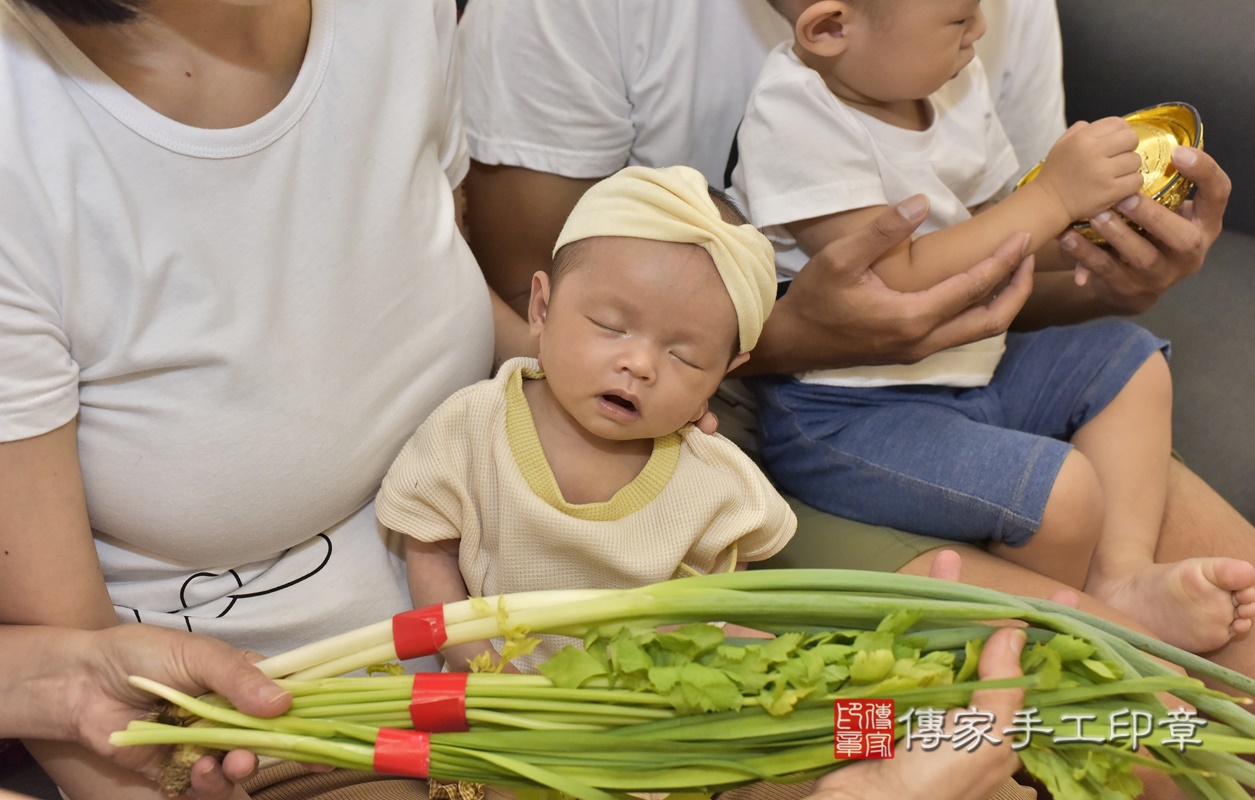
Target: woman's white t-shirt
(248, 322)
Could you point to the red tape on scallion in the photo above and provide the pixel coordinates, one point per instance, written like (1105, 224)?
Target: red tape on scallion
(438, 702)
(419, 632)
(399, 752)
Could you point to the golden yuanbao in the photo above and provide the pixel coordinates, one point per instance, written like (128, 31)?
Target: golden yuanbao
(1160, 129)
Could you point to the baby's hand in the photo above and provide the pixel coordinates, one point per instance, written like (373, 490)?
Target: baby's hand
(1093, 166)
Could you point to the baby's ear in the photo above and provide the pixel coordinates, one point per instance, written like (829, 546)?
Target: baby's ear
(821, 28)
(737, 360)
(701, 412)
(538, 305)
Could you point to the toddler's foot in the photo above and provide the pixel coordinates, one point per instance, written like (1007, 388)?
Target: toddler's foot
(1198, 604)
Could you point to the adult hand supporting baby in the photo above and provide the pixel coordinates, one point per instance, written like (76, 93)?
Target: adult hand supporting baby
(840, 314)
(1135, 272)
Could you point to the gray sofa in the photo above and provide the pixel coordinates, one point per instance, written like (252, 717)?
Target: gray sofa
(1121, 55)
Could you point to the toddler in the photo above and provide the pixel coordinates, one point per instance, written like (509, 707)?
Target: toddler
(1052, 446)
(580, 469)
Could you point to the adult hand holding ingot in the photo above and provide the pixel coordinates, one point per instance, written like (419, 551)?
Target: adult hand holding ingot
(1160, 129)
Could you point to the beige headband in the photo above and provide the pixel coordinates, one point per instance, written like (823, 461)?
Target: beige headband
(673, 205)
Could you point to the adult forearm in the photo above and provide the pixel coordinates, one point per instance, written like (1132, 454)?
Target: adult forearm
(510, 334)
(45, 678)
(792, 342)
(514, 216)
(66, 690)
(50, 575)
(83, 775)
(49, 572)
(1058, 300)
(40, 668)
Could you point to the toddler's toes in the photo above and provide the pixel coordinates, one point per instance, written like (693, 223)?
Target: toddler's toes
(1232, 574)
(1244, 601)
(1240, 626)
(1244, 608)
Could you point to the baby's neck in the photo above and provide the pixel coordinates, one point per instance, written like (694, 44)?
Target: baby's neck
(911, 115)
(587, 468)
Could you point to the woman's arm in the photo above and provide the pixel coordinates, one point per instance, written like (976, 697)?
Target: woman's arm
(511, 337)
(49, 575)
(510, 334)
(506, 225)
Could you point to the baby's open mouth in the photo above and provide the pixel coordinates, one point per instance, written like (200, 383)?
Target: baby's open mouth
(619, 401)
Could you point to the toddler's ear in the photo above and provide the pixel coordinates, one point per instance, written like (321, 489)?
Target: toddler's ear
(538, 306)
(737, 360)
(821, 28)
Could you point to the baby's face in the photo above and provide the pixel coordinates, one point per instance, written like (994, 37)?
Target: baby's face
(913, 51)
(637, 336)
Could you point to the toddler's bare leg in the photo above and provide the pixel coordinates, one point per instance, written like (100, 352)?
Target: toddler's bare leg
(1197, 603)
(1070, 529)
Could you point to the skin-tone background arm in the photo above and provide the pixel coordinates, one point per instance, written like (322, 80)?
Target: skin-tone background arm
(515, 216)
(49, 573)
(510, 335)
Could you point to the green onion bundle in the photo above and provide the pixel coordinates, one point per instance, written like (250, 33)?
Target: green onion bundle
(637, 709)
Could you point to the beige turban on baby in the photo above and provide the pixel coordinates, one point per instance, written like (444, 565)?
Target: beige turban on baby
(673, 205)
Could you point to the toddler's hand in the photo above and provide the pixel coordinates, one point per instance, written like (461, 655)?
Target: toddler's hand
(1093, 166)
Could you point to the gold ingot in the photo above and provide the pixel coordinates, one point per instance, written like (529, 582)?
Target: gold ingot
(1160, 129)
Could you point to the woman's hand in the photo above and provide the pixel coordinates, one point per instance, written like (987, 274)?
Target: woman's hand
(103, 701)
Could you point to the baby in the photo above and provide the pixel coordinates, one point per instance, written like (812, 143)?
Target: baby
(581, 469)
(1051, 446)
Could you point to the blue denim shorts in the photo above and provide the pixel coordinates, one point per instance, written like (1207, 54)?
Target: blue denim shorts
(964, 464)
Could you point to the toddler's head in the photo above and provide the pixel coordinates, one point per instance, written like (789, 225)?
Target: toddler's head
(879, 52)
(659, 287)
